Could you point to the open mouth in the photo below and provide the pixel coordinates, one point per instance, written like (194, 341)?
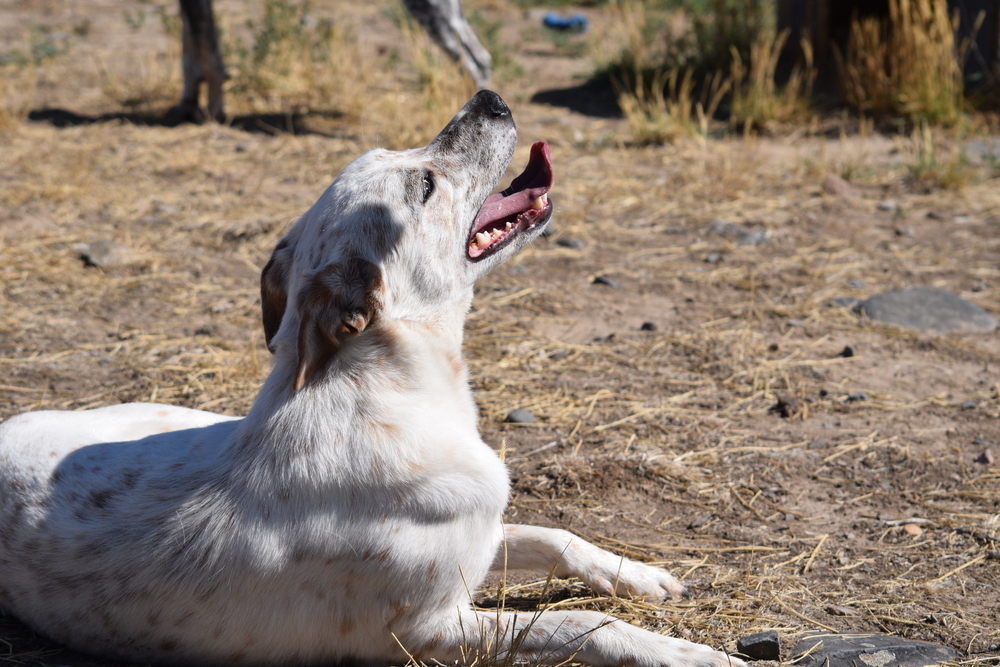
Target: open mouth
(522, 206)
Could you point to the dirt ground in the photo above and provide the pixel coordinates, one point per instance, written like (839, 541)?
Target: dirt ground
(654, 433)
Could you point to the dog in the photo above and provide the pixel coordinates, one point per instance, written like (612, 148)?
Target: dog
(201, 59)
(348, 516)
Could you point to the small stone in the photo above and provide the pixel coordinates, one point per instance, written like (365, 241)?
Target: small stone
(520, 416)
(559, 354)
(648, 326)
(912, 529)
(979, 287)
(796, 323)
(835, 185)
(102, 253)
(869, 650)
(787, 406)
(604, 280)
(848, 351)
(713, 258)
(573, 244)
(970, 405)
(928, 309)
(904, 230)
(751, 237)
(822, 443)
(760, 646)
(986, 458)
(857, 396)
(934, 215)
(823, 393)
(887, 205)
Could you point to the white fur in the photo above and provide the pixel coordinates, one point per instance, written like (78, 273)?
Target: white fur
(348, 518)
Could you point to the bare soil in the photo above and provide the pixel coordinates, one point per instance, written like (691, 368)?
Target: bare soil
(849, 515)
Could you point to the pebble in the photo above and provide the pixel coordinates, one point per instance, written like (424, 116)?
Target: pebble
(934, 215)
(751, 236)
(871, 650)
(848, 351)
(912, 529)
(787, 406)
(887, 205)
(760, 646)
(835, 185)
(574, 244)
(604, 280)
(648, 326)
(102, 253)
(857, 396)
(986, 458)
(969, 405)
(559, 354)
(713, 258)
(520, 416)
(836, 610)
(823, 393)
(928, 309)
(822, 443)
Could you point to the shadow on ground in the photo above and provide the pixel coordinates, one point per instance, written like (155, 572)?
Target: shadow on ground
(321, 123)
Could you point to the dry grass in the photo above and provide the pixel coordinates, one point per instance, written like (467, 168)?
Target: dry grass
(909, 66)
(17, 90)
(757, 100)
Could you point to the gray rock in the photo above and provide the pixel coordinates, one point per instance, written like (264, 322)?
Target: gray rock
(928, 309)
(574, 244)
(604, 280)
(648, 326)
(760, 646)
(870, 650)
(751, 236)
(822, 443)
(103, 253)
(969, 405)
(520, 416)
(835, 185)
(887, 205)
(857, 396)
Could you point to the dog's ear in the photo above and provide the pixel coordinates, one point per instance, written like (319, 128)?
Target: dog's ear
(338, 301)
(274, 289)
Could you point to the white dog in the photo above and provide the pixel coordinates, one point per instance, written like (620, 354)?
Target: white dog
(350, 514)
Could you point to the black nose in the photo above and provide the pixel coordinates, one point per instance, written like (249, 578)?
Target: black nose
(490, 104)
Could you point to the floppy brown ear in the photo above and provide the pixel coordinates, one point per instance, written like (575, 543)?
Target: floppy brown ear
(339, 301)
(274, 289)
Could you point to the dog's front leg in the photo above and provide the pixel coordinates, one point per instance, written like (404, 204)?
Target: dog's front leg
(566, 555)
(557, 637)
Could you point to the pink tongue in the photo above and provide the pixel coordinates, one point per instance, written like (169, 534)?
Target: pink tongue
(534, 182)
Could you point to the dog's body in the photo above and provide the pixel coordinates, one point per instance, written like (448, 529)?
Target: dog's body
(352, 512)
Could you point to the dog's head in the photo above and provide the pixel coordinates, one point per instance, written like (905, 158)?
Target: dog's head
(403, 235)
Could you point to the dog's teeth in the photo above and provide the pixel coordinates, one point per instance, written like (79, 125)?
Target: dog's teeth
(496, 234)
(509, 226)
(482, 238)
(540, 203)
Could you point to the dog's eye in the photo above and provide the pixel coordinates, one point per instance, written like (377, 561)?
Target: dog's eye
(428, 185)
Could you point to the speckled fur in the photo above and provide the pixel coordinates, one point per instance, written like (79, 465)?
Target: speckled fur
(351, 512)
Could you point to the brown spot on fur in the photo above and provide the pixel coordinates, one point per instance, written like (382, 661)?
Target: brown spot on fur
(53, 454)
(346, 626)
(162, 413)
(166, 429)
(237, 657)
(456, 365)
(153, 619)
(168, 645)
(432, 574)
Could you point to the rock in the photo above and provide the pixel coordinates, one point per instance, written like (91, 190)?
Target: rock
(795, 323)
(970, 405)
(102, 253)
(912, 529)
(787, 406)
(751, 236)
(823, 393)
(559, 354)
(520, 416)
(887, 205)
(856, 284)
(835, 610)
(713, 258)
(928, 309)
(986, 458)
(835, 185)
(870, 650)
(848, 351)
(648, 326)
(822, 443)
(934, 215)
(604, 280)
(857, 396)
(760, 646)
(574, 244)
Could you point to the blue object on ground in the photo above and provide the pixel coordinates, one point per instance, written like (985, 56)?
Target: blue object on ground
(574, 23)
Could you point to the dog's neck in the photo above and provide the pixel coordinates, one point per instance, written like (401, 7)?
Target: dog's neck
(398, 378)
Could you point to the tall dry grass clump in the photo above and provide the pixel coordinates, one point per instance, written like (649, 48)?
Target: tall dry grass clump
(758, 101)
(909, 66)
(293, 62)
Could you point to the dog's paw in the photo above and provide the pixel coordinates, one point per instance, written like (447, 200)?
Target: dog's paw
(653, 650)
(618, 576)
